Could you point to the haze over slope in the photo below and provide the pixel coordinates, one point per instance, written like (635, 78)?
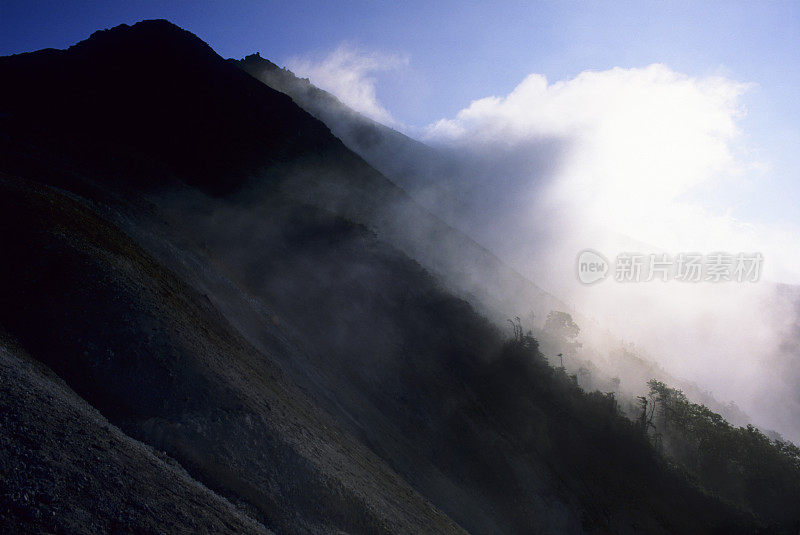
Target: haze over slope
(517, 180)
(206, 265)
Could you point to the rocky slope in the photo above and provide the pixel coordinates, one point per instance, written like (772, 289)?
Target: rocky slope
(431, 176)
(209, 268)
(66, 469)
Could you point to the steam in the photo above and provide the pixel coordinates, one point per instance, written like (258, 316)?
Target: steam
(349, 73)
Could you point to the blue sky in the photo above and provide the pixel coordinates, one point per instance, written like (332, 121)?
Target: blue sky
(460, 52)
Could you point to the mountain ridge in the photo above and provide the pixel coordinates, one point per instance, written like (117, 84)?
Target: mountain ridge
(259, 318)
(410, 164)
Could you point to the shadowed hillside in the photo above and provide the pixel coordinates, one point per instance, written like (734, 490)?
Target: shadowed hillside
(210, 269)
(65, 469)
(431, 176)
(405, 161)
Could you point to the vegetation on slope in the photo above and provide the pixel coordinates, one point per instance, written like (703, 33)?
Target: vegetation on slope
(355, 393)
(741, 464)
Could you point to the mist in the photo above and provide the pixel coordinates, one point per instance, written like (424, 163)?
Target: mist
(641, 160)
(631, 160)
(233, 285)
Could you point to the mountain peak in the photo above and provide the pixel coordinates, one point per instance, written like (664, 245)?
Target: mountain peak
(149, 40)
(154, 29)
(156, 89)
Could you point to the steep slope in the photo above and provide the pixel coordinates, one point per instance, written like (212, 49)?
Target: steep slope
(65, 469)
(149, 91)
(156, 357)
(403, 160)
(431, 177)
(220, 308)
(161, 363)
(470, 269)
(216, 126)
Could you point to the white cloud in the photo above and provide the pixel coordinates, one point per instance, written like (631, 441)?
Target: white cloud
(348, 72)
(642, 146)
(640, 137)
(642, 152)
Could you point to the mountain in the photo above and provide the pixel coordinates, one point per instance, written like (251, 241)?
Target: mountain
(402, 158)
(430, 176)
(205, 292)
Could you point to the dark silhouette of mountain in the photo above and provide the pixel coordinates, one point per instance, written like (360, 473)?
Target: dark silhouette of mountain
(149, 91)
(193, 256)
(405, 161)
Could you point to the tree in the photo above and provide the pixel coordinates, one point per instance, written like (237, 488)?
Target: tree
(563, 328)
(645, 414)
(562, 325)
(525, 339)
